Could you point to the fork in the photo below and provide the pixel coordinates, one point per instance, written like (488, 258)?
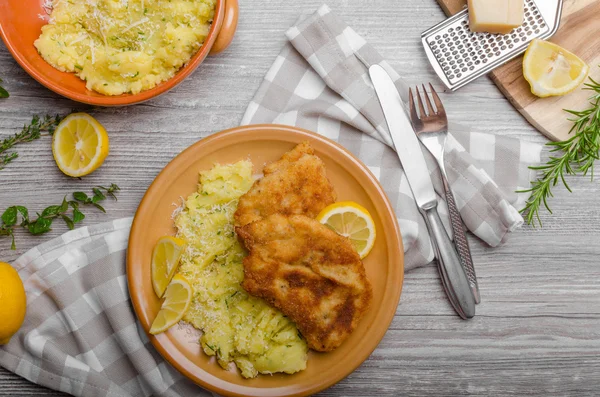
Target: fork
(432, 129)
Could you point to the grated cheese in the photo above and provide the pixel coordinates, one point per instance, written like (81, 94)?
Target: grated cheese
(133, 25)
(236, 327)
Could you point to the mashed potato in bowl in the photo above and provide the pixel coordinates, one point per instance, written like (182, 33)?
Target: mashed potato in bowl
(124, 46)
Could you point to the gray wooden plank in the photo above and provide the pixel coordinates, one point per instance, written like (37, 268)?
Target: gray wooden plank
(537, 330)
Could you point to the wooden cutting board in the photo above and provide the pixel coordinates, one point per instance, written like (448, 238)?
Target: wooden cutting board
(579, 33)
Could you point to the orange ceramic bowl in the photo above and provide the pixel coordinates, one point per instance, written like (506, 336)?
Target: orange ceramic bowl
(20, 26)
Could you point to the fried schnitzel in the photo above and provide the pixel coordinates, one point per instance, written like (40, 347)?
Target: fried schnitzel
(310, 273)
(295, 184)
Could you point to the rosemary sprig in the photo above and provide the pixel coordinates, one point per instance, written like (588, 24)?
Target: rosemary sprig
(576, 155)
(30, 132)
(69, 211)
(3, 92)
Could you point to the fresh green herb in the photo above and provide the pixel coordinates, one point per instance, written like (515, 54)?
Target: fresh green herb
(29, 133)
(78, 67)
(575, 156)
(3, 92)
(68, 211)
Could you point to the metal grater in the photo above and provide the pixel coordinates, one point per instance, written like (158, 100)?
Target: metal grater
(459, 56)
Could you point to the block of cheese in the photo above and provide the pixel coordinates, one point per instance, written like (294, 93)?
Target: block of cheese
(495, 16)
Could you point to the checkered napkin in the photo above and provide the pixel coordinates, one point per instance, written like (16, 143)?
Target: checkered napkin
(80, 334)
(320, 82)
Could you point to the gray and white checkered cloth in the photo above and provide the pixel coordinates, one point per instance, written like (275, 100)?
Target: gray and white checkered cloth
(81, 335)
(320, 82)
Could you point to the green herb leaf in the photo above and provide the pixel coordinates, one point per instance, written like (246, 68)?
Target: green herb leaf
(77, 216)
(113, 188)
(68, 221)
(40, 226)
(43, 222)
(65, 205)
(98, 196)
(98, 193)
(24, 213)
(9, 217)
(81, 196)
(3, 92)
(51, 211)
(9, 232)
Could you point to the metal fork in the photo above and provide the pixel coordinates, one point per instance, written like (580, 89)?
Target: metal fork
(432, 129)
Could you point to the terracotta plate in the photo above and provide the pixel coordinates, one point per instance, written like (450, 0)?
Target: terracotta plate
(263, 144)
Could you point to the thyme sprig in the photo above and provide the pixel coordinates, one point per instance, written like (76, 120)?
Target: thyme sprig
(574, 156)
(69, 211)
(30, 132)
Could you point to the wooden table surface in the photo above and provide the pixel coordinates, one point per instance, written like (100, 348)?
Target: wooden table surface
(537, 330)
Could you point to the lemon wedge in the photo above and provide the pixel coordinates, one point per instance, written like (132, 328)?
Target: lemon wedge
(552, 70)
(79, 144)
(351, 220)
(13, 302)
(177, 300)
(165, 260)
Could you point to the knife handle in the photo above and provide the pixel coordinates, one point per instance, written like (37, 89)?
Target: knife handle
(453, 275)
(460, 240)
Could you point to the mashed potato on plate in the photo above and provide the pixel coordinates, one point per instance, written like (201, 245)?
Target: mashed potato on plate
(124, 46)
(237, 327)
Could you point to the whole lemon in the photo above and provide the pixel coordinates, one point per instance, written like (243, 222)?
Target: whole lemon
(13, 302)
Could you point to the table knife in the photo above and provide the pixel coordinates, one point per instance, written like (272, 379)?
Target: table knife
(408, 148)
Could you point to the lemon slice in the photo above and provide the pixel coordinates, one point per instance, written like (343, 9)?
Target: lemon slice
(552, 70)
(353, 221)
(165, 260)
(177, 300)
(79, 144)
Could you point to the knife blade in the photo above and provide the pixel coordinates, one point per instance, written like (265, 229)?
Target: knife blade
(405, 140)
(409, 150)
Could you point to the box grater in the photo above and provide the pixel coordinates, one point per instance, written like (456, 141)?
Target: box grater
(459, 56)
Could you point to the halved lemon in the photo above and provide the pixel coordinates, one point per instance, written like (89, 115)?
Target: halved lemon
(177, 300)
(351, 220)
(551, 70)
(79, 144)
(165, 260)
